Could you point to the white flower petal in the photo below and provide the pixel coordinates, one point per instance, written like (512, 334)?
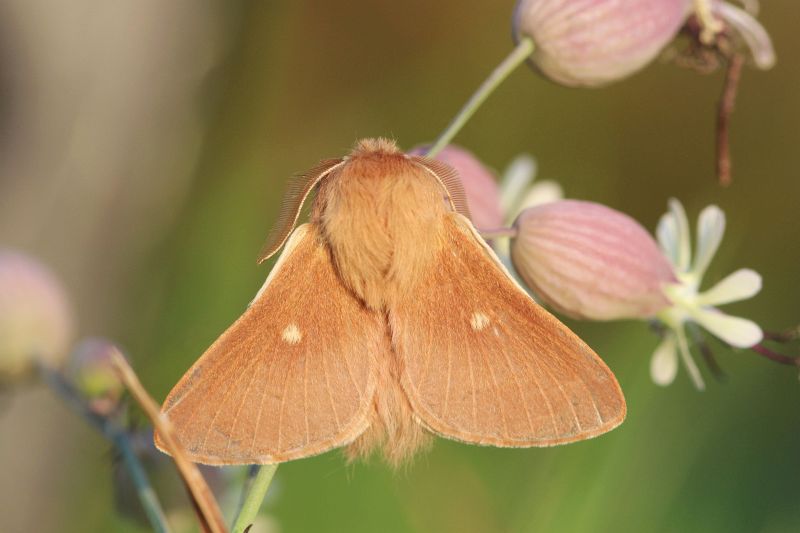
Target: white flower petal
(710, 229)
(740, 285)
(664, 363)
(667, 235)
(519, 173)
(751, 31)
(684, 243)
(738, 332)
(751, 6)
(541, 192)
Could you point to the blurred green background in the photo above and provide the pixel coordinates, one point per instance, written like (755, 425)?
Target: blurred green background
(144, 147)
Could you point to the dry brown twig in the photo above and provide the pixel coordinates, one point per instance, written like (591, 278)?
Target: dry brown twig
(205, 504)
(727, 104)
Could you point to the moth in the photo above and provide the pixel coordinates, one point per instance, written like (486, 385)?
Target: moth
(387, 319)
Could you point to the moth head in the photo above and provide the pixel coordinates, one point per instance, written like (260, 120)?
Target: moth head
(379, 157)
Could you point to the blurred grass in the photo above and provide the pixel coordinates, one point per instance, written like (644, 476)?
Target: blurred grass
(303, 81)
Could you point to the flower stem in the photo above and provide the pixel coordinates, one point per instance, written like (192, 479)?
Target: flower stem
(495, 233)
(763, 351)
(725, 108)
(520, 53)
(147, 495)
(705, 350)
(206, 507)
(783, 336)
(691, 367)
(254, 498)
(117, 436)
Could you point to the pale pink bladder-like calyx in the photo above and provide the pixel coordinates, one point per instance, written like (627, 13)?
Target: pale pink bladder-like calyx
(595, 42)
(590, 261)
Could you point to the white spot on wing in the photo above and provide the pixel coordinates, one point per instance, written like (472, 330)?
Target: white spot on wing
(479, 321)
(291, 334)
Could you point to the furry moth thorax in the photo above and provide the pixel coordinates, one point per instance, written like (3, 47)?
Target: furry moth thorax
(381, 214)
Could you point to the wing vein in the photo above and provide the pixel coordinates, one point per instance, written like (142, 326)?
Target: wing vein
(230, 371)
(353, 379)
(305, 395)
(544, 396)
(566, 398)
(283, 404)
(591, 397)
(449, 374)
(270, 367)
(472, 390)
(519, 387)
(225, 397)
(497, 395)
(241, 404)
(328, 389)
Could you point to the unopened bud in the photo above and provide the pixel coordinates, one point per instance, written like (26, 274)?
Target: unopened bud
(93, 373)
(35, 316)
(589, 261)
(594, 42)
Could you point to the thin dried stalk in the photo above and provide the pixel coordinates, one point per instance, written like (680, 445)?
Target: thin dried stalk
(727, 103)
(206, 505)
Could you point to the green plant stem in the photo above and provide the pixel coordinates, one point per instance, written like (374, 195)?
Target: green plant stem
(147, 495)
(252, 472)
(254, 498)
(517, 56)
(119, 438)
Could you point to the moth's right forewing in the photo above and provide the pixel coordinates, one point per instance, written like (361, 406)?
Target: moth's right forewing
(484, 364)
(292, 377)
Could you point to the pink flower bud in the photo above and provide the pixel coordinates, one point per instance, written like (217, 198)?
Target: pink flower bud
(35, 316)
(589, 261)
(480, 186)
(594, 42)
(93, 373)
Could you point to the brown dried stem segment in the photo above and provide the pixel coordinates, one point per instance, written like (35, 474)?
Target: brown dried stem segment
(727, 103)
(206, 505)
(780, 358)
(788, 335)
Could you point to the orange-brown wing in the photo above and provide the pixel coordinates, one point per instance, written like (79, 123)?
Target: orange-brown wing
(484, 364)
(292, 377)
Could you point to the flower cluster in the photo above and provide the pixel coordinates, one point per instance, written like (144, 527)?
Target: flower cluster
(591, 262)
(688, 304)
(595, 42)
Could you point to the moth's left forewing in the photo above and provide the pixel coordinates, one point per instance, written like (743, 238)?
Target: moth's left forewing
(484, 364)
(293, 377)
